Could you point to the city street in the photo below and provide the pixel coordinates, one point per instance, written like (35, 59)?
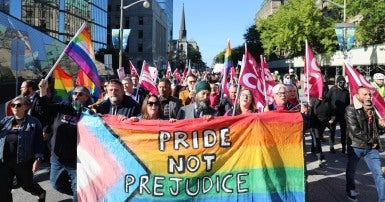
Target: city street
(323, 184)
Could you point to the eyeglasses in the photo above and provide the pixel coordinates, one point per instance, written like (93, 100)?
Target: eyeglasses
(247, 96)
(153, 103)
(78, 94)
(18, 105)
(281, 93)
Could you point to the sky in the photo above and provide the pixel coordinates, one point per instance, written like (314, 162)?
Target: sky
(212, 22)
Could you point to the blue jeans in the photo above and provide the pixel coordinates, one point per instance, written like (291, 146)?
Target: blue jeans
(372, 159)
(63, 177)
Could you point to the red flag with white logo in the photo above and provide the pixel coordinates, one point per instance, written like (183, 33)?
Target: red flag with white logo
(250, 79)
(146, 81)
(356, 80)
(313, 77)
(133, 71)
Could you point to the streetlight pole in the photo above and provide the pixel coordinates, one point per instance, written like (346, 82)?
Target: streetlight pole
(343, 25)
(146, 4)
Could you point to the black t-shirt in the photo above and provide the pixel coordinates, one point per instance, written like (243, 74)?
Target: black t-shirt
(10, 147)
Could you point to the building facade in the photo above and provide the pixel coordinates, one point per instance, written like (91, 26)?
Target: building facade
(149, 28)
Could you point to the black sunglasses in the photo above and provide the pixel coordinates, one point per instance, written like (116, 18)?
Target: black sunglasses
(78, 94)
(153, 103)
(16, 105)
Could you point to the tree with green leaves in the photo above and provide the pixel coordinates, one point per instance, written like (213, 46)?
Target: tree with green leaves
(284, 33)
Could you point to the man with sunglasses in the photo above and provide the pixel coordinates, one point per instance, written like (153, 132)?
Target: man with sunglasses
(64, 136)
(338, 96)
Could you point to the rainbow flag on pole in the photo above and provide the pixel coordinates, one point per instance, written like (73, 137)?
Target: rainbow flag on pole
(253, 157)
(80, 49)
(63, 84)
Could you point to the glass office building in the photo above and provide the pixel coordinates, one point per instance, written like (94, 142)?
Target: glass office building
(45, 27)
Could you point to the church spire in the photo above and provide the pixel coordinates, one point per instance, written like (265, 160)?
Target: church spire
(182, 31)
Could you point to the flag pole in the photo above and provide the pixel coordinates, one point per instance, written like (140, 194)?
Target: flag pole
(239, 86)
(264, 78)
(62, 54)
(307, 71)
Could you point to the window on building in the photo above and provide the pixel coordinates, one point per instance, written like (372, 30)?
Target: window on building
(140, 34)
(140, 21)
(140, 47)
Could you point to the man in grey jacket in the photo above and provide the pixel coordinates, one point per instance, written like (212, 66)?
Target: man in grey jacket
(201, 106)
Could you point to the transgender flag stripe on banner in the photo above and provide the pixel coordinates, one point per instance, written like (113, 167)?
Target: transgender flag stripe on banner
(102, 163)
(253, 157)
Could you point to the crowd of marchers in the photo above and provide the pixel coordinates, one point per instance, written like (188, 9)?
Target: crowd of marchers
(40, 129)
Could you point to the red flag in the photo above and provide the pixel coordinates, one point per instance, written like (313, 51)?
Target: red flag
(313, 76)
(356, 80)
(8, 109)
(146, 81)
(176, 75)
(268, 81)
(133, 71)
(250, 79)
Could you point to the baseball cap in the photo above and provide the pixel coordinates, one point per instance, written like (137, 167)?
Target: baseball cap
(378, 76)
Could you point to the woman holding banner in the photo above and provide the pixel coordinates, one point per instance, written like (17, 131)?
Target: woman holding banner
(245, 104)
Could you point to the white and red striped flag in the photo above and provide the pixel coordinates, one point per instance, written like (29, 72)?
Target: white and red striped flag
(356, 80)
(168, 71)
(133, 71)
(313, 77)
(146, 81)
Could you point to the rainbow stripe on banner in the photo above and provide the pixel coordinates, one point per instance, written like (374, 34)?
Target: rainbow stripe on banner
(81, 51)
(63, 84)
(255, 157)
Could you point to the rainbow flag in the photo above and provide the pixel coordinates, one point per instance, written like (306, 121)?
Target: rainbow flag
(227, 66)
(81, 51)
(63, 84)
(254, 157)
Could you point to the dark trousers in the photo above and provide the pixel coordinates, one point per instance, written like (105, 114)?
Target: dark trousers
(341, 121)
(24, 175)
(317, 129)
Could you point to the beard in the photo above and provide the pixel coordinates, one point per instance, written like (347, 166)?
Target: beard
(114, 100)
(203, 107)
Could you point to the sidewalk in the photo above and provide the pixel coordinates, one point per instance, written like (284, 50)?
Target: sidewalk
(328, 183)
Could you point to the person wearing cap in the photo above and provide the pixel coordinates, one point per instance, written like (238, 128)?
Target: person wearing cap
(363, 129)
(378, 82)
(339, 99)
(201, 106)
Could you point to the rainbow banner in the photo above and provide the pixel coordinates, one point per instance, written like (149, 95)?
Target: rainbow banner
(80, 49)
(255, 157)
(63, 84)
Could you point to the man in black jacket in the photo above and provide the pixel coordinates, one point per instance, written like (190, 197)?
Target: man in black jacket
(338, 96)
(363, 141)
(118, 103)
(63, 142)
